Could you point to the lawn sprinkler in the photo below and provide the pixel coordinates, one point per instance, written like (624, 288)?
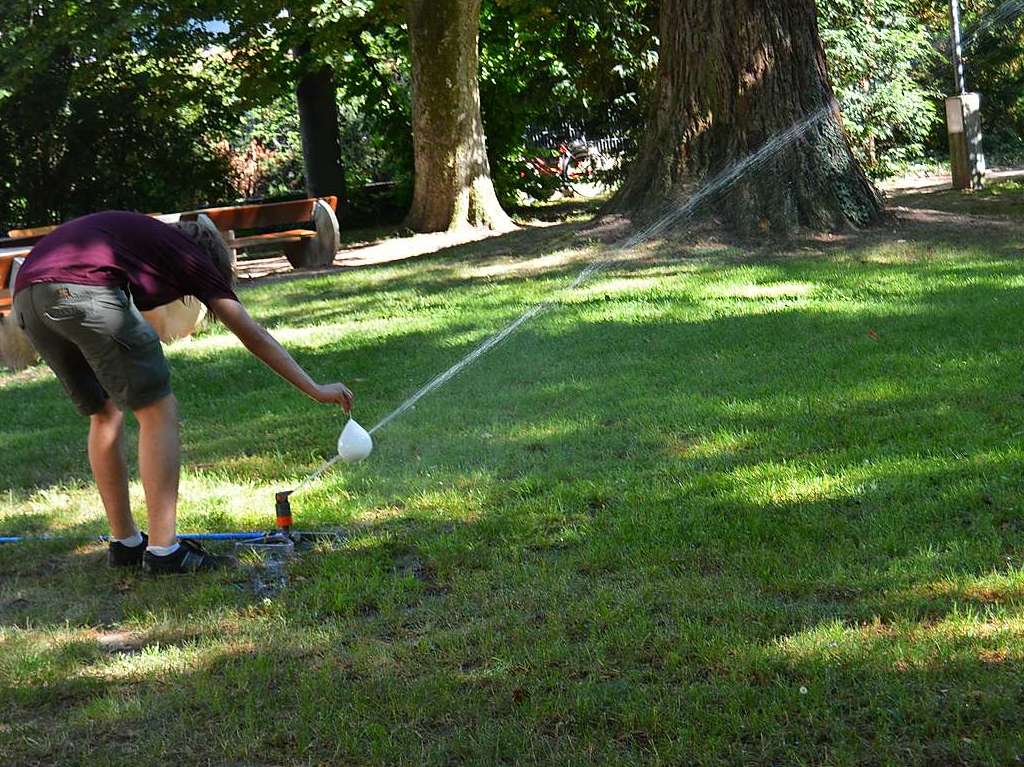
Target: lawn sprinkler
(283, 511)
(354, 444)
(280, 543)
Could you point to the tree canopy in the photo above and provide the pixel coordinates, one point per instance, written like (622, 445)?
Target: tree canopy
(166, 105)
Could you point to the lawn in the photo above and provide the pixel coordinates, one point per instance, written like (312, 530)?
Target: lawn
(727, 503)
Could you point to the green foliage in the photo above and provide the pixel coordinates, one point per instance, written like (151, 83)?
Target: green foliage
(543, 64)
(995, 61)
(103, 107)
(876, 52)
(266, 151)
(274, 44)
(993, 47)
(375, 109)
(141, 106)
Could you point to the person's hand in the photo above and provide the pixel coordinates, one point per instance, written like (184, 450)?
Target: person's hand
(335, 393)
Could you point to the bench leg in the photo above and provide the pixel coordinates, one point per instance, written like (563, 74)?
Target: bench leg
(299, 254)
(319, 250)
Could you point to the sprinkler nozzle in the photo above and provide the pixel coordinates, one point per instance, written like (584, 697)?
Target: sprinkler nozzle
(283, 509)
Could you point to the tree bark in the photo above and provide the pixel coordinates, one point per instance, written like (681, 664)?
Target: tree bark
(453, 186)
(321, 141)
(733, 74)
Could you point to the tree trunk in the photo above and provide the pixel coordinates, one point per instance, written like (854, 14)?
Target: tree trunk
(733, 74)
(321, 142)
(453, 178)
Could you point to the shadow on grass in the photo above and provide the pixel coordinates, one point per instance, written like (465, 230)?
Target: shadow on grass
(538, 652)
(278, 430)
(431, 266)
(711, 530)
(998, 198)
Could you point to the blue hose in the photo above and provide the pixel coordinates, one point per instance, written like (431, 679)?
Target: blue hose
(192, 536)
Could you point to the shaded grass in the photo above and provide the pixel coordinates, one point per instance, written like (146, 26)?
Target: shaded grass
(999, 198)
(712, 510)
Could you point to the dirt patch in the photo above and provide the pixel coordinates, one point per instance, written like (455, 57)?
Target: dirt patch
(382, 251)
(942, 219)
(120, 642)
(411, 565)
(993, 657)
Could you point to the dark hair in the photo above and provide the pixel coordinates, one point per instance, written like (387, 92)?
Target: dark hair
(211, 243)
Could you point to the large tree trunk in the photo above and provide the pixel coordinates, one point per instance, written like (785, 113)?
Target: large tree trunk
(733, 74)
(453, 179)
(321, 142)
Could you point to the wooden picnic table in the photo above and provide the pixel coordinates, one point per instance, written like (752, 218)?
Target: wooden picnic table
(7, 256)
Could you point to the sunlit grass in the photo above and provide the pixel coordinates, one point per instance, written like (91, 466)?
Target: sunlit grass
(714, 507)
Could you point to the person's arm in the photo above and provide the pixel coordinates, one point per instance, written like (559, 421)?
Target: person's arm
(257, 340)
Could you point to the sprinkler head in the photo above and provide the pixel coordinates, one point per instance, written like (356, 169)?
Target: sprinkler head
(283, 509)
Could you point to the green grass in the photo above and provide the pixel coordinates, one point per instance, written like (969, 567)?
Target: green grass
(723, 506)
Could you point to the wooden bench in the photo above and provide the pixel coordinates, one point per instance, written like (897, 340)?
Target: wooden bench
(17, 244)
(6, 262)
(16, 352)
(8, 253)
(312, 238)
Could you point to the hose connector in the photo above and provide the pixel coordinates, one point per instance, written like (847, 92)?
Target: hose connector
(283, 509)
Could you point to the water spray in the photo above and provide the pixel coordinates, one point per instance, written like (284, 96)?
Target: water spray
(670, 214)
(1006, 13)
(356, 443)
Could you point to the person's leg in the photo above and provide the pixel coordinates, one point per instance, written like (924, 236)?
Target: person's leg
(53, 316)
(159, 465)
(106, 457)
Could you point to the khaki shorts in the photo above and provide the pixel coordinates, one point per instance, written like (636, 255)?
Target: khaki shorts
(96, 342)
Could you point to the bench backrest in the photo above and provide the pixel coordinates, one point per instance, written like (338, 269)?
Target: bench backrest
(17, 241)
(36, 231)
(32, 235)
(260, 216)
(229, 218)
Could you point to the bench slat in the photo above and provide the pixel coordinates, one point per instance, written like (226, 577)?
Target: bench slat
(36, 231)
(258, 216)
(271, 237)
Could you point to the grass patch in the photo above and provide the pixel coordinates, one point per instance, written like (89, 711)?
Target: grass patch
(722, 506)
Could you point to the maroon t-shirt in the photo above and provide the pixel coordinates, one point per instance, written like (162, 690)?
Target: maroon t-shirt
(151, 259)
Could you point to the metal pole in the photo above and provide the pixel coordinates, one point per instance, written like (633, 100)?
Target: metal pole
(959, 80)
(963, 118)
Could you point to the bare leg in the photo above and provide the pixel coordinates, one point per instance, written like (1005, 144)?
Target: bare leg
(159, 464)
(106, 456)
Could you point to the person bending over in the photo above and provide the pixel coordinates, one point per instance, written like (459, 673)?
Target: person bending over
(78, 298)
